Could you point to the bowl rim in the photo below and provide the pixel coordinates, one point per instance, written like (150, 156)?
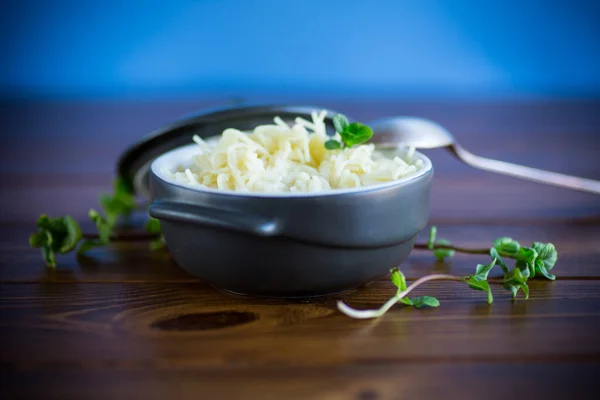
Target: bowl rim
(158, 163)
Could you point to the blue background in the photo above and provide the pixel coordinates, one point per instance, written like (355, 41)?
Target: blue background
(418, 48)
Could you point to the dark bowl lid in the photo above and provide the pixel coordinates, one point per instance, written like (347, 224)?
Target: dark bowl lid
(133, 166)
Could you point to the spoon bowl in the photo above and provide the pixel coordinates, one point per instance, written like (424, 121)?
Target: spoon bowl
(422, 133)
(410, 131)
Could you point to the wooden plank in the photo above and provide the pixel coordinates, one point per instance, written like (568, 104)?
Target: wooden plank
(360, 382)
(127, 323)
(182, 326)
(577, 245)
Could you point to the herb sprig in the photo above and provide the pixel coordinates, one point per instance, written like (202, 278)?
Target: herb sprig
(350, 133)
(55, 235)
(153, 226)
(530, 262)
(104, 232)
(120, 203)
(61, 235)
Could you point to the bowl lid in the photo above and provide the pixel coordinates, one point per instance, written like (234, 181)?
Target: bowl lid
(133, 166)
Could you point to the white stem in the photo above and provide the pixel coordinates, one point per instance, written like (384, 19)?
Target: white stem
(365, 314)
(308, 124)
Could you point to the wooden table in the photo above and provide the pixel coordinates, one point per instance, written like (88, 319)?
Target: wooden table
(128, 323)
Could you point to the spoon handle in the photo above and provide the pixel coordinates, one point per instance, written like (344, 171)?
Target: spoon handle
(519, 171)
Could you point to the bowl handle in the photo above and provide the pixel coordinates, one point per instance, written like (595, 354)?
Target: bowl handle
(215, 218)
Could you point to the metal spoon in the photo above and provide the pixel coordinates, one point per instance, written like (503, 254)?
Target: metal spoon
(425, 134)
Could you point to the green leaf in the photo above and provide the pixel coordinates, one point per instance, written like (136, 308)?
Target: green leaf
(406, 301)
(525, 289)
(104, 231)
(39, 238)
(546, 252)
(432, 235)
(526, 259)
(482, 271)
(512, 289)
(43, 239)
(101, 225)
(499, 261)
(152, 225)
(524, 267)
(55, 235)
(89, 244)
(527, 254)
(48, 254)
(356, 133)
(423, 301)
(122, 187)
(540, 268)
(332, 145)
(442, 254)
(94, 215)
(62, 233)
(515, 280)
(158, 244)
(477, 283)
(120, 203)
(73, 234)
(340, 122)
(506, 246)
(110, 208)
(399, 280)
(44, 222)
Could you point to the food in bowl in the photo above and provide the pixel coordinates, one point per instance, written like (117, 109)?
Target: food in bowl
(284, 243)
(279, 158)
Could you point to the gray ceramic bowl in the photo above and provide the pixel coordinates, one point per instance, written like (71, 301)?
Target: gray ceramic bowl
(289, 245)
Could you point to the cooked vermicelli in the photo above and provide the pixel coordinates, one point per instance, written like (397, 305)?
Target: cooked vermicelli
(278, 158)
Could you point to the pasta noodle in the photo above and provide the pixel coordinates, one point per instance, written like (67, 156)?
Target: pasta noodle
(278, 158)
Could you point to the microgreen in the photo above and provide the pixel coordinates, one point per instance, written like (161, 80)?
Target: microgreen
(506, 246)
(515, 280)
(546, 259)
(432, 235)
(333, 145)
(153, 226)
(442, 253)
(55, 235)
(356, 133)
(104, 230)
(539, 259)
(496, 255)
(350, 133)
(61, 235)
(526, 261)
(340, 122)
(439, 246)
(423, 301)
(482, 270)
(475, 282)
(399, 281)
(120, 203)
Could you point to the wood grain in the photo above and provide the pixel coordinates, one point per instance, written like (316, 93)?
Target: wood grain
(191, 325)
(129, 323)
(414, 381)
